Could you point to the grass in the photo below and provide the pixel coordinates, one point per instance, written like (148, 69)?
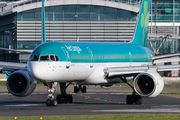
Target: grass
(103, 117)
(2, 83)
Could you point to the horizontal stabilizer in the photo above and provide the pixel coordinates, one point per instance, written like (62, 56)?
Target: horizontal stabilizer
(166, 58)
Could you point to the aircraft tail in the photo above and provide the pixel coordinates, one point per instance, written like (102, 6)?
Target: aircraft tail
(141, 31)
(43, 23)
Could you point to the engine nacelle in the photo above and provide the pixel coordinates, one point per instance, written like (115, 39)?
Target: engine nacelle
(148, 84)
(20, 84)
(106, 86)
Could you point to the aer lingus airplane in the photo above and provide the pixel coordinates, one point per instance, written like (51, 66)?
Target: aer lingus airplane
(91, 63)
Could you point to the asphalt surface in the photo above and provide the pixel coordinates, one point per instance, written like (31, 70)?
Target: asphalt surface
(96, 101)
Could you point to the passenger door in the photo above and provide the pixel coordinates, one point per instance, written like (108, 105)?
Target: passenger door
(67, 57)
(91, 57)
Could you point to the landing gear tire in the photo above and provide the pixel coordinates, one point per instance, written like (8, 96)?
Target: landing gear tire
(54, 102)
(138, 100)
(80, 88)
(48, 102)
(131, 99)
(64, 99)
(83, 90)
(68, 99)
(76, 90)
(60, 99)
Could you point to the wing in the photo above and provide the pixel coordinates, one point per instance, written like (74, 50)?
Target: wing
(13, 50)
(134, 70)
(131, 71)
(10, 66)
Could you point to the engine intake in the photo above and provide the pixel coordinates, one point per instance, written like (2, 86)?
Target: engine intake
(19, 83)
(148, 84)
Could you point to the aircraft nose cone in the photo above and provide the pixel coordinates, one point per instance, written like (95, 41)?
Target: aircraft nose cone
(38, 70)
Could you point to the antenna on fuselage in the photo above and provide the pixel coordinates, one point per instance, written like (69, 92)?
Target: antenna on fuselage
(43, 23)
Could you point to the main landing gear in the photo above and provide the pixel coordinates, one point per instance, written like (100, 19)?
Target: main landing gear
(80, 88)
(61, 98)
(134, 98)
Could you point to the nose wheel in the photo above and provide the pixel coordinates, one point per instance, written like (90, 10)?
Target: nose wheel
(50, 102)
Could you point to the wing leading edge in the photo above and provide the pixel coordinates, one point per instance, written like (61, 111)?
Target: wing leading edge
(13, 50)
(10, 66)
(134, 70)
(131, 71)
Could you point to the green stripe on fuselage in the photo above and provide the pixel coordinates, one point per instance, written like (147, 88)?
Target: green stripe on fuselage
(96, 51)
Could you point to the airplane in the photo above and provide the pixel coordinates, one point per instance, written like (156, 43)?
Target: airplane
(91, 63)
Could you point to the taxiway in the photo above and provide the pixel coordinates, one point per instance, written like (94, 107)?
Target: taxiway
(96, 101)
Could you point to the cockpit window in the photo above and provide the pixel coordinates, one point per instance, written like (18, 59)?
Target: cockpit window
(44, 58)
(49, 58)
(34, 58)
(57, 58)
(52, 58)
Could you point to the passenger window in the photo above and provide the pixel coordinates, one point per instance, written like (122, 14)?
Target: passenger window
(44, 58)
(34, 58)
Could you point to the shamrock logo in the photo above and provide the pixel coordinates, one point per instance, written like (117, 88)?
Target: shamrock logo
(144, 23)
(145, 16)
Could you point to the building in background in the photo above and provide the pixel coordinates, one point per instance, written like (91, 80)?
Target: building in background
(86, 20)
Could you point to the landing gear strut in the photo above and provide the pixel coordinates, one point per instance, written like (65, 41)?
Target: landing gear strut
(134, 98)
(82, 89)
(50, 98)
(63, 97)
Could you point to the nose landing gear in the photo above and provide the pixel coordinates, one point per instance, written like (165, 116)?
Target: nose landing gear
(50, 98)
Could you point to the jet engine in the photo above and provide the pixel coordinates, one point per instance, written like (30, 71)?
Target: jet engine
(106, 86)
(148, 84)
(20, 84)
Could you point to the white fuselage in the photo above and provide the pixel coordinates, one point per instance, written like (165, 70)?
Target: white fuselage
(86, 73)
